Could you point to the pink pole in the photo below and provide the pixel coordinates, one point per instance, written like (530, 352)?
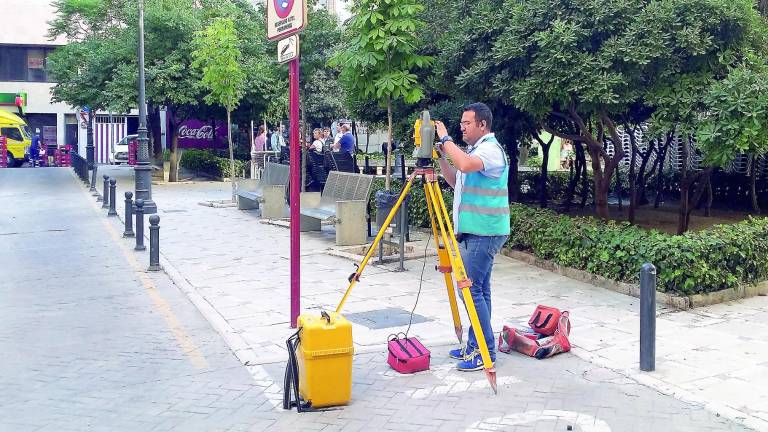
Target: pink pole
(293, 90)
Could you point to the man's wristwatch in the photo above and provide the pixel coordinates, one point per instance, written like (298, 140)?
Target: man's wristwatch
(445, 139)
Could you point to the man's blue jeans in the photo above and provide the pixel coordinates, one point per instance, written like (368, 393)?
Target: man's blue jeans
(477, 252)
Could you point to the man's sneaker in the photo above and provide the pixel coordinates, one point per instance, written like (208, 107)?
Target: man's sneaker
(472, 362)
(459, 353)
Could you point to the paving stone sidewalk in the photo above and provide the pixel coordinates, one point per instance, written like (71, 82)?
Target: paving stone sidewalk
(235, 269)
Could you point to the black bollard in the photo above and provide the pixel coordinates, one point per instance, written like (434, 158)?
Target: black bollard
(648, 317)
(154, 243)
(128, 215)
(112, 197)
(93, 190)
(139, 211)
(105, 193)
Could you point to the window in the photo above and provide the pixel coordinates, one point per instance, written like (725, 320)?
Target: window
(24, 63)
(11, 133)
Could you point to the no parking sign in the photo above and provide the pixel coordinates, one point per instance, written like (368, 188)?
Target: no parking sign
(285, 18)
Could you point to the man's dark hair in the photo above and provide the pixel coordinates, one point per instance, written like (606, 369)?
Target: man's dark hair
(482, 113)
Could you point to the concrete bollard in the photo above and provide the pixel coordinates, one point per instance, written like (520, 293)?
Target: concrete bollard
(128, 215)
(648, 317)
(93, 190)
(104, 192)
(139, 211)
(112, 197)
(154, 243)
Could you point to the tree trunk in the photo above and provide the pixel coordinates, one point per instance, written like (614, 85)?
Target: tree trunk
(617, 189)
(642, 173)
(753, 183)
(708, 205)
(175, 155)
(155, 143)
(303, 148)
(585, 189)
(660, 173)
(574, 177)
(682, 221)
(543, 199)
(601, 195)
(389, 144)
(231, 153)
(632, 180)
(512, 183)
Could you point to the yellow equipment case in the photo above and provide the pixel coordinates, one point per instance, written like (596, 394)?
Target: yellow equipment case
(325, 359)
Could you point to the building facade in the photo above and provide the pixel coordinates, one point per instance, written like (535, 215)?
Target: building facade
(24, 51)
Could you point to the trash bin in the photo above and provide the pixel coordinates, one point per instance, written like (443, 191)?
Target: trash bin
(385, 200)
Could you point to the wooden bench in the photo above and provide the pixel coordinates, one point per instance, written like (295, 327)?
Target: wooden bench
(344, 202)
(269, 191)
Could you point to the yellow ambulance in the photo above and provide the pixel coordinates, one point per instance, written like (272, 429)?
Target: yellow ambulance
(17, 135)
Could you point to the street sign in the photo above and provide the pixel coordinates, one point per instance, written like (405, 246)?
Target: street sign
(285, 18)
(288, 49)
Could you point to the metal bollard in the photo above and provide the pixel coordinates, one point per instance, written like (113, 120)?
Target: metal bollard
(112, 197)
(648, 317)
(93, 190)
(154, 243)
(128, 215)
(139, 211)
(105, 193)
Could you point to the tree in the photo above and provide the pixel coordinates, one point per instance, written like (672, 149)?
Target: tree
(589, 63)
(217, 56)
(735, 118)
(381, 57)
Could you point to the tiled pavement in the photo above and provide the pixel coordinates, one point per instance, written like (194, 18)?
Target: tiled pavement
(93, 342)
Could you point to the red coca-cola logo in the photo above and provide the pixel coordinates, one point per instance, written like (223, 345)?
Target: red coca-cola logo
(203, 132)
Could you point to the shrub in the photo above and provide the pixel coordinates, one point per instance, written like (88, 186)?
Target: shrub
(206, 162)
(709, 260)
(417, 204)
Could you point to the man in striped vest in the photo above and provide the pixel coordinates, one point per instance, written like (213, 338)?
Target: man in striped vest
(480, 214)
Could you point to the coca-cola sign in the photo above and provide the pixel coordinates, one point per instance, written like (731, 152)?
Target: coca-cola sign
(205, 132)
(199, 134)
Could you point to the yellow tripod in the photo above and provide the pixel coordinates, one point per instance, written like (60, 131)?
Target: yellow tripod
(449, 260)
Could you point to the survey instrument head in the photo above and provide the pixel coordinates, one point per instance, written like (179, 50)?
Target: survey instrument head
(424, 137)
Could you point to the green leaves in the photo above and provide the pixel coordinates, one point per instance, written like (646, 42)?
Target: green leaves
(217, 56)
(717, 258)
(380, 60)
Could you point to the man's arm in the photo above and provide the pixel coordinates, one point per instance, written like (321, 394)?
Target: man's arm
(448, 171)
(464, 162)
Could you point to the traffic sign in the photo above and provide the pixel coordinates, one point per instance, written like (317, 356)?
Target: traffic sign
(285, 18)
(288, 49)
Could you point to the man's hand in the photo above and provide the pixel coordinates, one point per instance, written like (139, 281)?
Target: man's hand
(440, 129)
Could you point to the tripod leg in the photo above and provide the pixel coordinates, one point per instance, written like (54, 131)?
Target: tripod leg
(444, 267)
(462, 281)
(354, 277)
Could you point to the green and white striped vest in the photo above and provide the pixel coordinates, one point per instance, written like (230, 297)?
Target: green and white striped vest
(484, 205)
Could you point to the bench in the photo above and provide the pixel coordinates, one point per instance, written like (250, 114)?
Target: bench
(344, 201)
(269, 191)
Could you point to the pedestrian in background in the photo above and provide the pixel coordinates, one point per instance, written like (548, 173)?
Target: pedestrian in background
(260, 141)
(346, 142)
(317, 143)
(34, 149)
(328, 139)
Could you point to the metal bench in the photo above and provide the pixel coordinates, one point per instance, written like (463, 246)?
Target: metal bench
(269, 191)
(344, 201)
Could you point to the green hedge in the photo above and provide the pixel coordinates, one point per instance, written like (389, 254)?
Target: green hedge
(709, 260)
(206, 162)
(417, 207)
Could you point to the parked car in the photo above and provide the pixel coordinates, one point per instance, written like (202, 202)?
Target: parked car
(119, 151)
